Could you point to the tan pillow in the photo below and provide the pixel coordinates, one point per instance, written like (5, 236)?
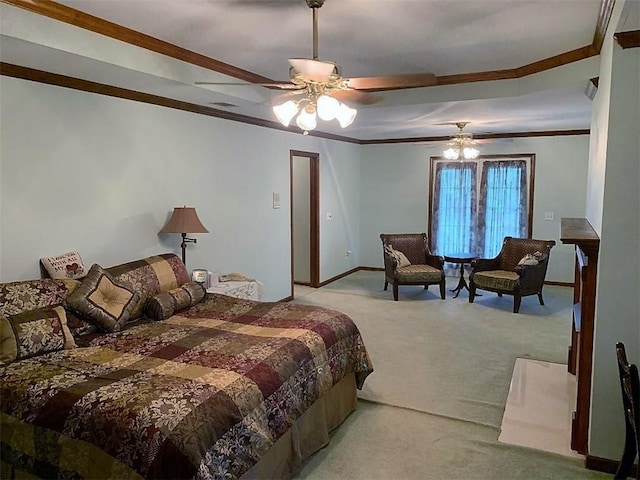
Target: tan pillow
(165, 304)
(67, 265)
(34, 332)
(531, 258)
(403, 261)
(103, 300)
(401, 258)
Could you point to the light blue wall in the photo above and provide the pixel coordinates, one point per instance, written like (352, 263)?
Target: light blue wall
(395, 192)
(613, 209)
(100, 175)
(340, 196)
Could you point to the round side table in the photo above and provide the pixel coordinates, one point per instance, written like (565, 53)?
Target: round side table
(460, 259)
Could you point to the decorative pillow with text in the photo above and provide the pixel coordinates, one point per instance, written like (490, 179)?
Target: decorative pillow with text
(68, 265)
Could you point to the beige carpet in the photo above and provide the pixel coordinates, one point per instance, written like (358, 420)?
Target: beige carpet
(434, 404)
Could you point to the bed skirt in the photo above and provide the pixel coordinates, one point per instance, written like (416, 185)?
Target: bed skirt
(308, 434)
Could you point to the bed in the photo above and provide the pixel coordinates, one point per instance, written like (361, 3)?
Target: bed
(227, 388)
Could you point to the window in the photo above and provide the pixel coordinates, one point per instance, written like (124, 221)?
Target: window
(474, 204)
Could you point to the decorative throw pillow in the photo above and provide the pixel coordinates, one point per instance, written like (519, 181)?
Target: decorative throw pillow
(67, 265)
(103, 300)
(150, 276)
(403, 261)
(34, 332)
(531, 258)
(165, 304)
(400, 258)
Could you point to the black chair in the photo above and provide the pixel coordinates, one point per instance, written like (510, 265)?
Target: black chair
(630, 395)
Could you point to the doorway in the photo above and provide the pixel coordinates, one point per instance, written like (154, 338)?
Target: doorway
(304, 174)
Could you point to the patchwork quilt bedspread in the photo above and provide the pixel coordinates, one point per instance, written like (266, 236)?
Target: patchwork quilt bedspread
(203, 394)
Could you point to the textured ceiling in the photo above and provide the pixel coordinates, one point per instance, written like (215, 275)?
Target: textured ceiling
(367, 38)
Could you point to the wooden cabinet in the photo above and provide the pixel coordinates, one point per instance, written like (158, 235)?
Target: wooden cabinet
(579, 232)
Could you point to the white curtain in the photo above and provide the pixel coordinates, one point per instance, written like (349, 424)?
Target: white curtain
(454, 208)
(471, 218)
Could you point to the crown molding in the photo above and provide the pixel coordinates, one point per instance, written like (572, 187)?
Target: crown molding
(89, 22)
(94, 24)
(630, 39)
(488, 136)
(25, 73)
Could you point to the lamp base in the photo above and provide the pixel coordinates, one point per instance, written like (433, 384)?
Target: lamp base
(183, 245)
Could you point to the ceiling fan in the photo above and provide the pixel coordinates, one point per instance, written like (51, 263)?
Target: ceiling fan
(315, 78)
(461, 145)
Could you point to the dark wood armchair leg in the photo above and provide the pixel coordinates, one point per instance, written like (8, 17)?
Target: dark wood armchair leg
(628, 457)
(443, 290)
(426, 286)
(500, 294)
(516, 303)
(540, 298)
(472, 293)
(386, 284)
(395, 292)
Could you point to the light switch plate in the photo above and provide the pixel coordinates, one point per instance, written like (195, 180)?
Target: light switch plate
(329, 216)
(276, 200)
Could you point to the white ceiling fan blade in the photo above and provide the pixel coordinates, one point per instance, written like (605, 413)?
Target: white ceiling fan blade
(314, 70)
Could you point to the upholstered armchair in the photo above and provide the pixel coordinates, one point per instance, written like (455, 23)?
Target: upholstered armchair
(408, 261)
(518, 270)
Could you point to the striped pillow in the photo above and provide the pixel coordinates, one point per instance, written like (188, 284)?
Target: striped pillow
(165, 304)
(150, 276)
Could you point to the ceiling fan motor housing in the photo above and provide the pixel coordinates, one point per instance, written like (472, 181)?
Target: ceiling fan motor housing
(315, 3)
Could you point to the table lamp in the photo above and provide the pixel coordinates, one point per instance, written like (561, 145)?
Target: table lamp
(184, 220)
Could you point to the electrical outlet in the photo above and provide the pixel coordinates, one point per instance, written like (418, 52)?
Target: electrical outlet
(548, 216)
(329, 216)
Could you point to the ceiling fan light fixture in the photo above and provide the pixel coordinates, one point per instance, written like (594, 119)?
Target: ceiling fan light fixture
(307, 120)
(328, 107)
(285, 112)
(461, 145)
(451, 153)
(315, 70)
(346, 115)
(469, 153)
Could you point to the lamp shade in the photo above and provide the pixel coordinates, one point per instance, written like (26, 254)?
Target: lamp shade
(306, 120)
(286, 112)
(184, 220)
(327, 107)
(346, 115)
